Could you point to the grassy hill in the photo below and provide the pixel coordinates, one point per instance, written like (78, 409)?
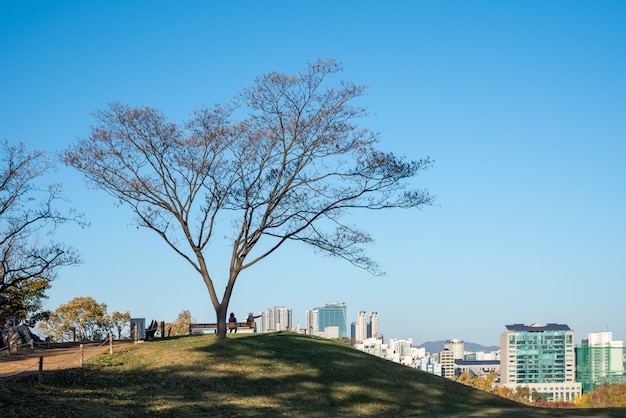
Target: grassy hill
(281, 374)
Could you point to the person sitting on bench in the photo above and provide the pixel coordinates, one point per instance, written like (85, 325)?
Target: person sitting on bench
(232, 323)
(250, 320)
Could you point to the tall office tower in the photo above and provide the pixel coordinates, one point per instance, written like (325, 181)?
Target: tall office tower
(541, 358)
(373, 325)
(360, 332)
(456, 347)
(277, 318)
(329, 320)
(600, 360)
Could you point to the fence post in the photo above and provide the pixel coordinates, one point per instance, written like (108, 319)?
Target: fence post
(40, 374)
(110, 343)
(82, 353)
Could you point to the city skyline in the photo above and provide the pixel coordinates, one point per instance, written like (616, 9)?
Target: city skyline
(519, 104)
(368, 322)
(536, 362)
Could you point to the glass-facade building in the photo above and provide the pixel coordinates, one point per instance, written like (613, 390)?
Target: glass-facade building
(330, 316)
(541, 358)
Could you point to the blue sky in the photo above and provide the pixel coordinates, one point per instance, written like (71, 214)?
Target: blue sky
(520, 103)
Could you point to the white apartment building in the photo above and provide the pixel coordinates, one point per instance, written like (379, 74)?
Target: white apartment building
(400, 351)
(373, 346)
(277, 318)
(361, 327)
(373, 326)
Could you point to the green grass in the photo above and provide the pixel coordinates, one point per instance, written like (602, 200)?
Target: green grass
(281, 374)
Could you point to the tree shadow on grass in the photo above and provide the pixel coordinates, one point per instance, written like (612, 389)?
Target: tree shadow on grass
(253, 375)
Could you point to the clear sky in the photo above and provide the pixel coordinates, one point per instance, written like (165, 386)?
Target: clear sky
(522, 105)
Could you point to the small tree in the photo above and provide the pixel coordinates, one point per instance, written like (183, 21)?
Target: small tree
(24, 301)
(487, 382)
(618, 395)
(119, 321)
(289, 169)
(466, 379)
(29, 257)
(522, 394)
(484, 383)
(538, 397)
(82, 318)
(181, 325)
(503, 392)
(604, 396)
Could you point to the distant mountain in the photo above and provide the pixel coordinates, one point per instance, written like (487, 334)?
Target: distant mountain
(437, 346)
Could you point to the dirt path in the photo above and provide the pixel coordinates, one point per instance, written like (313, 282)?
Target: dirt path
(53, 358)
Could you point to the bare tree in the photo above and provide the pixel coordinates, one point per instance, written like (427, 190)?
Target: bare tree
(285, 162)
(29, 257)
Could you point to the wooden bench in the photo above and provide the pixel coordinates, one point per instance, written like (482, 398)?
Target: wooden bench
(229, 325)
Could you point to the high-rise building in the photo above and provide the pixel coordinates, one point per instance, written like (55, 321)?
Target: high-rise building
(360, 332)
(329, 320)
(277, 318)
(363, 329)
(373, 326)
(600, 360)
(541, 358)
(311, 322)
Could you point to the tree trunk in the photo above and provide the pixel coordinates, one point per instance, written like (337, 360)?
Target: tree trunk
(220, 312)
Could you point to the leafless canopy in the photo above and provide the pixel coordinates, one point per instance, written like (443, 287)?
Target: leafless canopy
(285, 162)
(29, 257)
